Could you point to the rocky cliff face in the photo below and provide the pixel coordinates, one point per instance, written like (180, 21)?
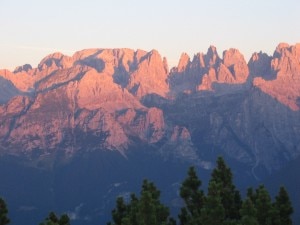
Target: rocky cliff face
(283, 72)
(114, 98)
(206, 69)
(88, 94)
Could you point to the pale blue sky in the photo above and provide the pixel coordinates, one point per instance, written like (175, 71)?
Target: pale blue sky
(31, 29)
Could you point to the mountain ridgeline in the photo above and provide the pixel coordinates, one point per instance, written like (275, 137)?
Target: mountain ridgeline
(122, 114)
(112, 98)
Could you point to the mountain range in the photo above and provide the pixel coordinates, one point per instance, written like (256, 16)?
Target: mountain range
(124, 102)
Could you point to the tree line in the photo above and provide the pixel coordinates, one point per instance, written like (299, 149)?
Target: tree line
(222, 204)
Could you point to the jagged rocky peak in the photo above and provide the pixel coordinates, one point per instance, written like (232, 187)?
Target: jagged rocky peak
(55, 61)
(212, 58)
(150, 76)
(205, 61)
(89, 58)
(281, 47)
(260, 65)
(82, 54)
(126, 59)
(205, 70)
(284, 85)
(236, 64)
(212, 50)
(232, 56)
(198, 61)
(232, 69)
(284, 49)
(184, 62)
(25, 68)
(139, 55)
(100, 93)
(21, 79)
(153, 58)
(181, 78)
(111, 59)
(286, 60)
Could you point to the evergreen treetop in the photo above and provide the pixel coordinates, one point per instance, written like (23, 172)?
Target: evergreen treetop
(3, 213)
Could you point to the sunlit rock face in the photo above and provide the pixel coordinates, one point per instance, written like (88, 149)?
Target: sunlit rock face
(204, 70)
(285, 76)
(112, 99)
(94, 93)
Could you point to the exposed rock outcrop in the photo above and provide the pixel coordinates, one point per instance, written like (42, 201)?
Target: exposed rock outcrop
(260, 66)
(7, 90)
(284, 87)
(205, 70)
(84, 95)
(25, 67)
(113, 98)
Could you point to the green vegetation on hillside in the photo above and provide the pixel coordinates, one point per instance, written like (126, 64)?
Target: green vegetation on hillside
(220, 205)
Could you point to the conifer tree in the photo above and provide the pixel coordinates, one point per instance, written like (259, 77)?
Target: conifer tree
(131, 219)
(263, 205)
(248, 213)
(213, 212)
(3, 213)
(120, 212)
(230, 196)
(284, 207)
(146, 210)
(151, 211)
(251, 194)
(221, 206)
(193, 198)
(52, 219)
(64, 220)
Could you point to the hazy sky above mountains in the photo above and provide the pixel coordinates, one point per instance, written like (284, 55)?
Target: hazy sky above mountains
(32, 29)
